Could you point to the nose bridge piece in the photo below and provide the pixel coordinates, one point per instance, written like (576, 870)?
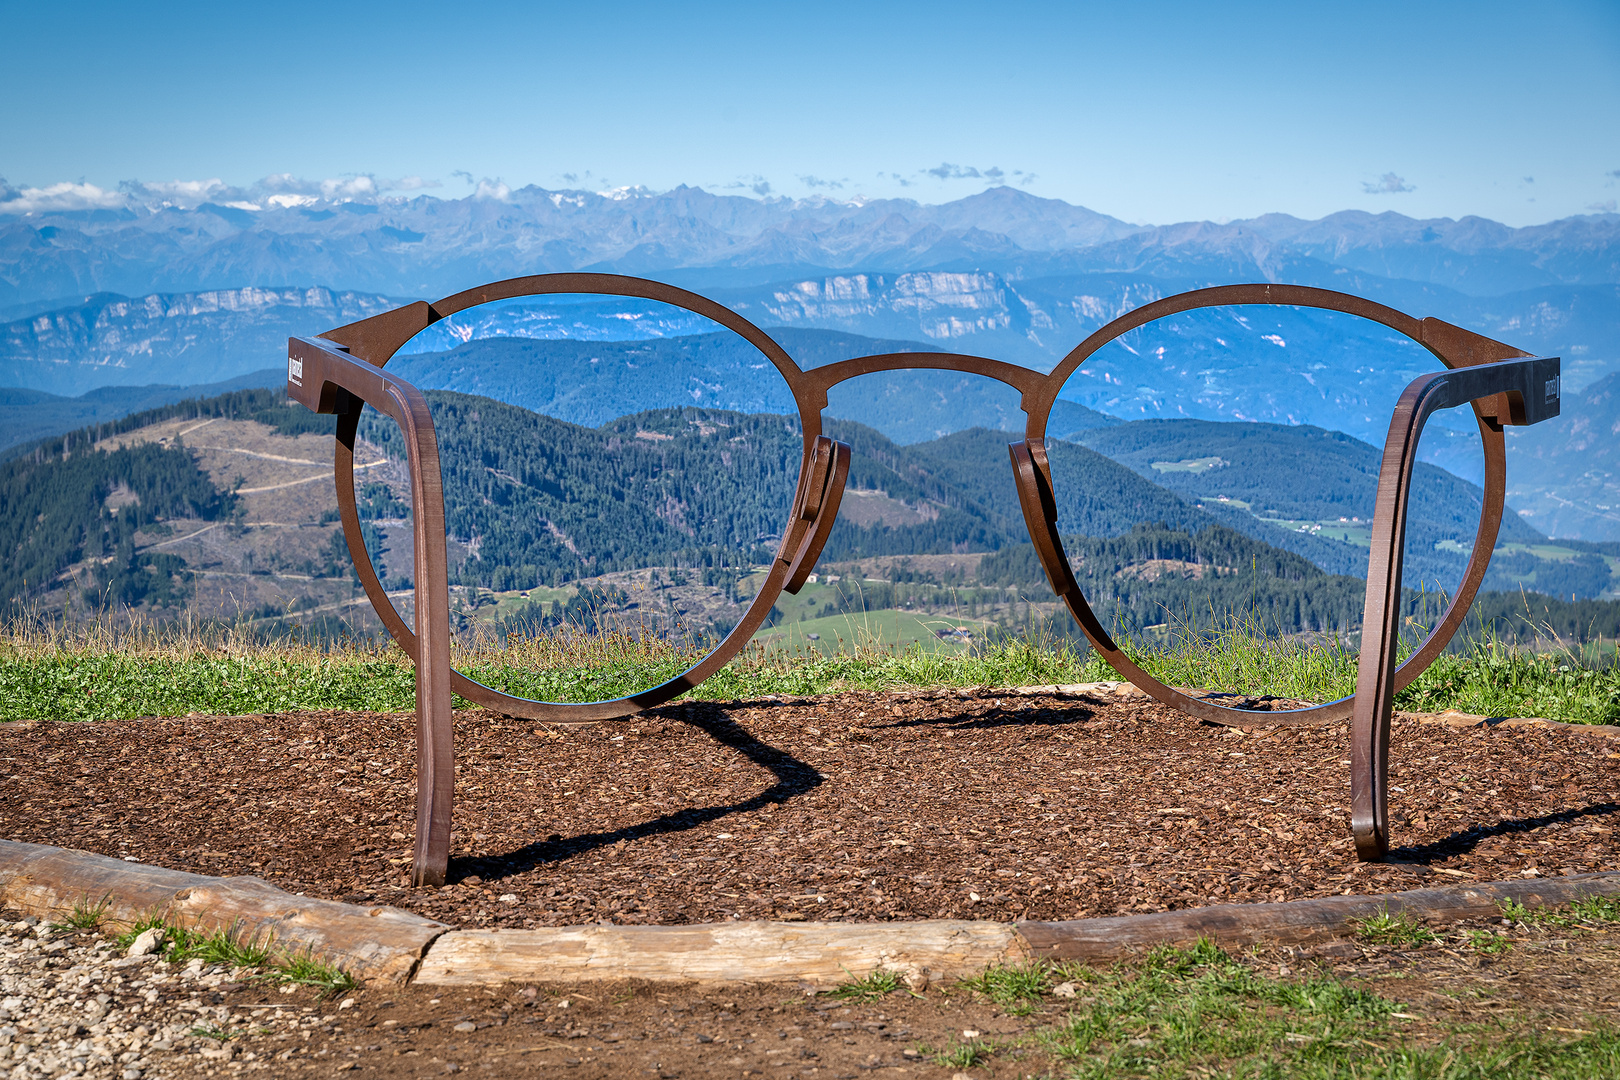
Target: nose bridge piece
(824, 490)
(1032, 475)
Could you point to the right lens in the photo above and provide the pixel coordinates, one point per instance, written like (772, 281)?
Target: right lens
(1233, 505)
(617, 474)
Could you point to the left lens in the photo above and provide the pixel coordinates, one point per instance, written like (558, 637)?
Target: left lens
(617, 474)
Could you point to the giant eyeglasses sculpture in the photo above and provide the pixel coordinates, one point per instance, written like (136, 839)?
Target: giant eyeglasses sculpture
(344, 370)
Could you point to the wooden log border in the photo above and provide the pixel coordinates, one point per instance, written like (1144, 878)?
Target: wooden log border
(381, 944)
(384, 945)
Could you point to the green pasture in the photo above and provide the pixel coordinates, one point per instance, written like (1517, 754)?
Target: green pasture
(896, 629)
(102, 673)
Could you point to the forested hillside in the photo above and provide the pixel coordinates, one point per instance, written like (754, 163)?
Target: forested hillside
(73, 502)
(549, 501)
(1158, 576)
(670, 513)
(1299, 487)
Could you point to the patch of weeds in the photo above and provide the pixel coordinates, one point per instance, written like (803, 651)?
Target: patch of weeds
(1018, 989)
(1399, 930)
(213, 1031)
(1484, 941)
(84, 916)
(1200, 1013)
(1184, 1010)
(879, 984)
(1597, 909)
(964, 1055)
(305, 970)
(228, 947)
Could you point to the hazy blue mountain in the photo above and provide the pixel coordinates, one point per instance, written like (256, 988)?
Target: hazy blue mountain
(426, 246)
(1566, 473)
(27, 415)
(591, 382)
(179, 340)
(1002, 274)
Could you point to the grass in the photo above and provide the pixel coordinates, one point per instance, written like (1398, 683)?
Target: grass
(963, 1055)
(1483, 941)
(1398, 930)
(84, 916)
(1198, 1012)
(1588, 911)
(103, 672)
(1017, 988)
(230, 948)
(868, 988)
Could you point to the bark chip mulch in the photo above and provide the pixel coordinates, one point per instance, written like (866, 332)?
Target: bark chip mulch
(857, 806)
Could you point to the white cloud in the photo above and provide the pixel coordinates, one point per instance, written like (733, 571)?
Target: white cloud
(58, 197)
(818, 182)
(182, 192)
(1388, 184)
(349, 188)
(491, 189)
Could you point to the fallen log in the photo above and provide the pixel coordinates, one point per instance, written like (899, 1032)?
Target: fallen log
(817, 953)
(384, 944)
(1297, 922)
(374, 943)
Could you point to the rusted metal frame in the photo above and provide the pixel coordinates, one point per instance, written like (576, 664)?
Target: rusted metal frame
(384, 334)
(380, 337)
(823, 473)
(1521, 392)
(324, 378)
(1452, 345)
(828, 479)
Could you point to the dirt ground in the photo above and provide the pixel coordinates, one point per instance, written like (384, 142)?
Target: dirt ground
(856, 806)
(1560, 986)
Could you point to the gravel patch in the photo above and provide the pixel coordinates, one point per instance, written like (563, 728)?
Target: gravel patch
(74, 1004)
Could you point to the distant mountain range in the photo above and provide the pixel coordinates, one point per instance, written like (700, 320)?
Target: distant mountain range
(217, 288)
(425, 246)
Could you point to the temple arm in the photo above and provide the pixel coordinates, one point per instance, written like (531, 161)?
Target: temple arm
(1523, 392)
(327, 379)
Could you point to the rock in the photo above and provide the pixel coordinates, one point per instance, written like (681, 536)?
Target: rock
(1065, 990)
(465, 1027)
(146, 942)
(74, 1005)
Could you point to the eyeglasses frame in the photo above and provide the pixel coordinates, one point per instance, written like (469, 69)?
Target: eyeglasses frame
(342, 370)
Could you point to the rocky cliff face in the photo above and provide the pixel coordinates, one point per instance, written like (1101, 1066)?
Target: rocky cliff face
(178, 339)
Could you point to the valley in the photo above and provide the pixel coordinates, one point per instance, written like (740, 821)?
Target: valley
(929, 548)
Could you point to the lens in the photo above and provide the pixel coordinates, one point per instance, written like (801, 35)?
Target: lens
(928, 501)
(1223, 516)
(617, 475)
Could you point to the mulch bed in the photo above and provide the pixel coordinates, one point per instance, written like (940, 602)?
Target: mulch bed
(858, 806)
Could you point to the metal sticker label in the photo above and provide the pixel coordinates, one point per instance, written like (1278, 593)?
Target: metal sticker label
(295, 371)
(1552, 388)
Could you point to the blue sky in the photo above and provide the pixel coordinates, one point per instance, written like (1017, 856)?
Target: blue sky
(1149, 112)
